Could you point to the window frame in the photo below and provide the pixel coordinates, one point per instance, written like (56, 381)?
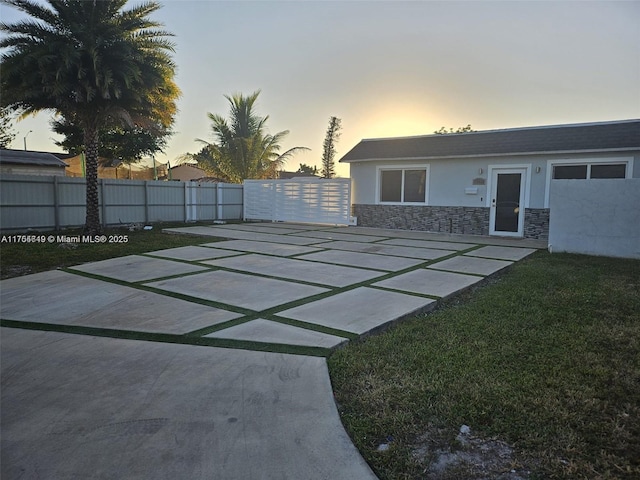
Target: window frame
(403, 168)
(628, 161)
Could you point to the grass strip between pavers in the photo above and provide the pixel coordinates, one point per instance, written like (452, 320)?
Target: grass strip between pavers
(168, 293)
(312, 326)
(405, 292)
(201, 332)
(169, 338)
(199, 263)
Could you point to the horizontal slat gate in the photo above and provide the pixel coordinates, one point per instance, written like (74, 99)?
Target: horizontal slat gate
(299, 200)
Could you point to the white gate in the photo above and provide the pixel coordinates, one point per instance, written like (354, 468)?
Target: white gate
(307, 200)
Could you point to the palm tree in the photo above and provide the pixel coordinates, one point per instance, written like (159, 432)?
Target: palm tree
(93, 62)
(242, 148)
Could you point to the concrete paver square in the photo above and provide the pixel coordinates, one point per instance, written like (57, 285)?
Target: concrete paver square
(359, 310)
(261, 330)
(390, 232)
(255, 293)
(337, 235)
(382, 249)
(193, 253)
(365, 260)
(226, 232)
(261, 228)
(407, 242)
(136, 268)
(278, 249)
(289, 268)
(430, 282)
(63, 298)
(502, 253)
(297, 226)
(464, 264)
(75, 406)
(209, 231)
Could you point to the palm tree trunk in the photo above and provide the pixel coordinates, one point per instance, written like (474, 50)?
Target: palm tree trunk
(92, 222)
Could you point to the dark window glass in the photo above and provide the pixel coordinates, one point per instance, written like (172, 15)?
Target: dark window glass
(391, 186)
(564, 172)
(617, 170)
(414, 185)
(508, 202)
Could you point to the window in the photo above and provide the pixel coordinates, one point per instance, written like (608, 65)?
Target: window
(563, 172)
(617, 170)
(586, 168)
(391, 186)
(584, 171)
(403, 185)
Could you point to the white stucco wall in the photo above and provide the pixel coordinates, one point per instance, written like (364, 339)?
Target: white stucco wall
(595, 217)
(447, 180)
(449, 177)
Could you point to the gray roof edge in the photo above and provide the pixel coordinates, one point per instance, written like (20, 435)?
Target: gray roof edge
(514, 129)
(12, 156)
(485, 155)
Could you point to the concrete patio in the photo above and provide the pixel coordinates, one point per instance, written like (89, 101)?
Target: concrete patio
(133, 398)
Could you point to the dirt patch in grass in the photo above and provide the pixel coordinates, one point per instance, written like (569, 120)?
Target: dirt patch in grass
(467, 456)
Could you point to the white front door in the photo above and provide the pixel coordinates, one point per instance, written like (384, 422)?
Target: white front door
(507, 201)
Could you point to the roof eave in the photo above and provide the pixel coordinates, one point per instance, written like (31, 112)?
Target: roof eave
(39, 164)
(484, 155)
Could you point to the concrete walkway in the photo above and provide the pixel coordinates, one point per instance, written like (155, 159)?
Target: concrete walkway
(114, 369)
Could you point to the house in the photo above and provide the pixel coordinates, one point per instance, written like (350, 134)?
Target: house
(25, 162)
(493, 182)
(186, 172)
(284, 175)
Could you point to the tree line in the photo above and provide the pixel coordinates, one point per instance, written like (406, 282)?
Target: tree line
(107, 73)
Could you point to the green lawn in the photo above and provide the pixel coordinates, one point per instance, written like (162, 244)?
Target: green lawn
(22, 258)
(543, 361)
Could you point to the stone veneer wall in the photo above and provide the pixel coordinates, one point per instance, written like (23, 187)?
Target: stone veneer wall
(536, 223)
(462, 220)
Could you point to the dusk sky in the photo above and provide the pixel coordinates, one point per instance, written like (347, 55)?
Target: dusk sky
(394, 68)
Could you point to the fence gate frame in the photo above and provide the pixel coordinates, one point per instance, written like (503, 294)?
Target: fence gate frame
(301, 200)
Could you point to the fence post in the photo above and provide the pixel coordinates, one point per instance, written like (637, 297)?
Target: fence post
(56, 203)
(219, 193)
(274, 212)
(103, 196)
(186, 194)
(191, 202)
(244, 201)
(146, 201)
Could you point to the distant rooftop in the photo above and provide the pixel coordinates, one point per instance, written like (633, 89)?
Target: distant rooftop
(620, 135)
(284, 175)
(26, 157)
